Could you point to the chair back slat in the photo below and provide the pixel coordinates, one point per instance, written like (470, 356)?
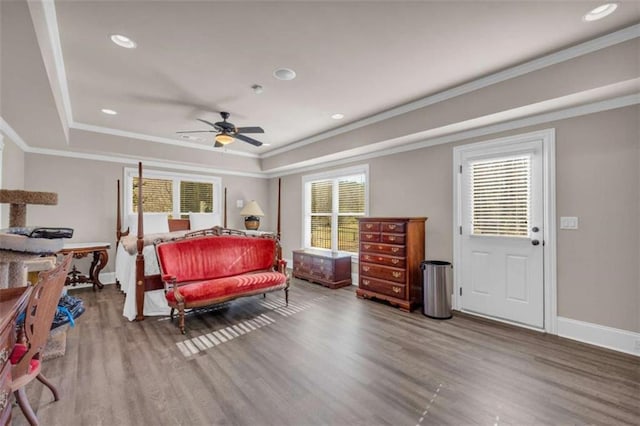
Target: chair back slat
(41, 309)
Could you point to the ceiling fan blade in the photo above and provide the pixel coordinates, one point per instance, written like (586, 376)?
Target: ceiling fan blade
(217, 145)
(207, 122)
(249, 130)
(248, 139)
(198, 131)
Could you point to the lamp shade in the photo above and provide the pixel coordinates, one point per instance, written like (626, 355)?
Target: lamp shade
(224, 138)
(252, 209)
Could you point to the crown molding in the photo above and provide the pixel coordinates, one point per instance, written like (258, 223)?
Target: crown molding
(167, 141)
(380, 150)
(13, 136)
(146, 160)
(563, 55)
(590, 46)
(375, 150)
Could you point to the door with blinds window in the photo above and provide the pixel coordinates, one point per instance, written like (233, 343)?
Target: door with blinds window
(502, 211)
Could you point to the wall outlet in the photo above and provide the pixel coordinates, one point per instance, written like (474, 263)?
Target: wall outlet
(239, 204)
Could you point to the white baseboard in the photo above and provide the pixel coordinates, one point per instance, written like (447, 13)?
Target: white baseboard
(600, 335)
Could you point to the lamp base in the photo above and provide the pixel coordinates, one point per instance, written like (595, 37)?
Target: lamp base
(252, 223)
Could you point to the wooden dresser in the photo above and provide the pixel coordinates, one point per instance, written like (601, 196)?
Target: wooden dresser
(12, 302)
(391, 250)
(329, 269)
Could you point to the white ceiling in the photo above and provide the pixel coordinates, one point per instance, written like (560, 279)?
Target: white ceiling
(195, 59)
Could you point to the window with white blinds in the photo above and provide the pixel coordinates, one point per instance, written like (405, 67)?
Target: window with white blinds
(174, 193)
(333, 203)
(500, 196)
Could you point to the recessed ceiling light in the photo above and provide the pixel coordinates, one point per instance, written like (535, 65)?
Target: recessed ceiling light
(123, 41)
(257, 89)
(600, 12)
(337, 116)
(109, 111)
(191, 138)
(284, 74)
(266, 144)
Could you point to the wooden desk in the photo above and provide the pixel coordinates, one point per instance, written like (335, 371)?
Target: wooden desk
(12, 302)
(81, 250)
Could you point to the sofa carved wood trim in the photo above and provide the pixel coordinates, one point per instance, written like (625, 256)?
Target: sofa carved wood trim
(204, 270)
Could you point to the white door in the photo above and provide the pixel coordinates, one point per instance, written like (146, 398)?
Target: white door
(501, 242)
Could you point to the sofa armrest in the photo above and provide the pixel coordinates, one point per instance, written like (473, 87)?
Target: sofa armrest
(282, 266)
(170, 285)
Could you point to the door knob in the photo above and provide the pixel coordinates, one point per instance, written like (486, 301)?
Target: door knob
(535, 229)
(535, 242)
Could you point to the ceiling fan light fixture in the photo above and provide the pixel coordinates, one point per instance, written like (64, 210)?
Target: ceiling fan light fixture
(123, 41)
(600, 12)
(337, 116)
(224, 139)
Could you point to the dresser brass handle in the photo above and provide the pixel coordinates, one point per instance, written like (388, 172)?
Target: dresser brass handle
(4, 355)
(369, 236)
(365, 282)
(392, 238)
(367, 246)
(395, 249)
(395, 261)
(365, 268)
(396, 274)
(396, 289)
(367, 257)
(4, 398)
(369, 225)
(392, 226)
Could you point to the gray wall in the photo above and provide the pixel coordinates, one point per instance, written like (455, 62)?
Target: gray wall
(87, 196)
(12, 173)
(598, 180)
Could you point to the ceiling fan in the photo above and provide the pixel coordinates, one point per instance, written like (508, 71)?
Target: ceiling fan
(227, 132)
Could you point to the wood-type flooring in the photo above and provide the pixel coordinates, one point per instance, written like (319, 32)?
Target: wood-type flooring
(329, 359)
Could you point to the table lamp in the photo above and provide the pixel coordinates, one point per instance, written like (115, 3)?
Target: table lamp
(252, 213)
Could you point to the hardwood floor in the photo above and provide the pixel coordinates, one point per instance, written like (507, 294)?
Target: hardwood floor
(329, 358)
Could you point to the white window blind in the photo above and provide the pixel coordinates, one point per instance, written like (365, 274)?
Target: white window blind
(333, 206)
(174, 193)
(501, 196)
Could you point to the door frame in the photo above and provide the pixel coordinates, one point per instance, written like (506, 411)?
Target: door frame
(549, 213)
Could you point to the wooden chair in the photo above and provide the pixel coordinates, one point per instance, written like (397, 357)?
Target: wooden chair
(25, 358)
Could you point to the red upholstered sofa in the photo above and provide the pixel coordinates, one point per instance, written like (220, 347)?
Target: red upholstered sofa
(205, 270)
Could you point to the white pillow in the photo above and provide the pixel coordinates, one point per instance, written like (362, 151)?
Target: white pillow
(154, 223)
(199, 221)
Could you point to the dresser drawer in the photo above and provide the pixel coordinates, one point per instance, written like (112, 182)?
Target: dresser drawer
(383, 248)
(392, 238)
(370, 226)
(384, 287)
(372, 237)
(395, 227)
(398, 262)
(383, 272)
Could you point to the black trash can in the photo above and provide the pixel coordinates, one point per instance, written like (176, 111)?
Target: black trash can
(437, 289)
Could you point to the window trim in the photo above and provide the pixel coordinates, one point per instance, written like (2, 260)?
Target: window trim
(130, 173)
(306, 203)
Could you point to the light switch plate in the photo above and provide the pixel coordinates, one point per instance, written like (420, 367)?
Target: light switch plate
(239, 204)
(568, 222)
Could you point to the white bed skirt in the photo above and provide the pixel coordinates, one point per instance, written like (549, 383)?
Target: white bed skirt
(155, 303)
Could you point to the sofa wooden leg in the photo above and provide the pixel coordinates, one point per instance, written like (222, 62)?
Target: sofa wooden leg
(264, 295)
(286, 296)
(171, 313)
(181, 317)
